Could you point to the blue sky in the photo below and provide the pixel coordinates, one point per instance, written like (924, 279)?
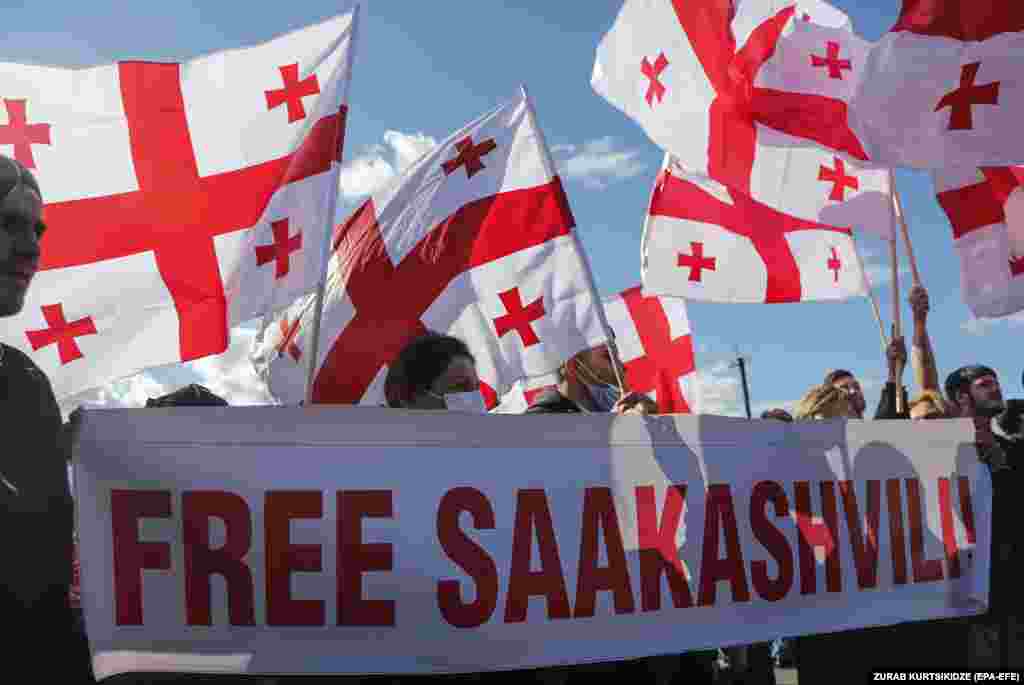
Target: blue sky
(424, 69)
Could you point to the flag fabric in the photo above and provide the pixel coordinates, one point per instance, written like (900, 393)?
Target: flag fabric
(655, 345)
(945, 87)
(986, 209)
(180, 198)
(706, 85)
(474, 240)
(706, 241)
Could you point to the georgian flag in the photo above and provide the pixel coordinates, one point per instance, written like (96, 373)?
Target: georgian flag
(655, 345)
(705, 241)
(181, 199)
(986, 209)
(475, 240)
(709, 87)
(945, 87)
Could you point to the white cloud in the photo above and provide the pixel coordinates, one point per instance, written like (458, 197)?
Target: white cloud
(230, 374)
(720, 391)
(983, 326)
(381, 163)
(597, 163)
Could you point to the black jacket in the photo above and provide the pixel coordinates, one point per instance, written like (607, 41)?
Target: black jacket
(887, 403)
(553, 402)
(36, 522)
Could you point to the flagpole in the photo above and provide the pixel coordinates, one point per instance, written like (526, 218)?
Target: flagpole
(871, 296)
(903, 228)
(894, 255)
(325, 246)
(588, 274)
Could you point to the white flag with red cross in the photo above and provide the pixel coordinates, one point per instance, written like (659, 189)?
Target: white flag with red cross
(705, 241)
(474, 240)
(708, 85)
(655, 345)
(945, 86)
(180, 199)
(986, 209)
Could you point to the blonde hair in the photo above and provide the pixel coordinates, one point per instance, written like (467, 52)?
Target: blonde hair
(824, 402)
(934, 399)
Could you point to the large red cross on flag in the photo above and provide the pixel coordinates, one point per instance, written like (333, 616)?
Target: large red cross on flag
(656, 347)
(986, 209)
(743, 114)
(712, 104)
(761, 254)
(489, 259)
(738, 70)
(160, 218)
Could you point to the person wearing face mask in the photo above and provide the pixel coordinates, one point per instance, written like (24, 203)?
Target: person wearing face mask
(587, 384)
(434, 372)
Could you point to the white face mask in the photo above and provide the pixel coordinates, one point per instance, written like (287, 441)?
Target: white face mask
(472, 401)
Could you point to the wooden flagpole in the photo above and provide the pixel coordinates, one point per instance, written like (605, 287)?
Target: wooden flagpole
(903, 229)
(325, 249)
(871, 298)
(894, 254)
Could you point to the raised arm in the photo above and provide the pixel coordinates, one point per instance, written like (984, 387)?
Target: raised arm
(923, 358)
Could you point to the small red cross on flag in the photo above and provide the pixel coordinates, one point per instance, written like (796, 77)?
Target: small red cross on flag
(280, 251)
(962, 100)
(293, 92)
(832, 61)
(61, 332)
(655, 88)
(518, 318)
(696, 261)
(839, 179)
(22, 135)
(469, 156)
(834, 264)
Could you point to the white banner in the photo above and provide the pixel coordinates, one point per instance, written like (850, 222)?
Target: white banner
(363, 540)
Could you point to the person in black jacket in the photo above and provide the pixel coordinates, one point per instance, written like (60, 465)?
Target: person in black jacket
(996, 638)
(587, 383)
(36, 519)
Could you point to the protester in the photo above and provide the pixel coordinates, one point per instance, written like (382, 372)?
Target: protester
(831, 401)
(587, 383)
(36, 519)
(996, 638)
(193, 395)
(434, 372)
(778, 415)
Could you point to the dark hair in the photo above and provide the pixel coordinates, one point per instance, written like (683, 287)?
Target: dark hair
(193, 395)
(778, 415)
(419, 364)
(1009, 421)
(13, 172)
(833, 376)
(964, 376)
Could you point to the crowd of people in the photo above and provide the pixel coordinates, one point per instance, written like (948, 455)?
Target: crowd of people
(43, 626)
